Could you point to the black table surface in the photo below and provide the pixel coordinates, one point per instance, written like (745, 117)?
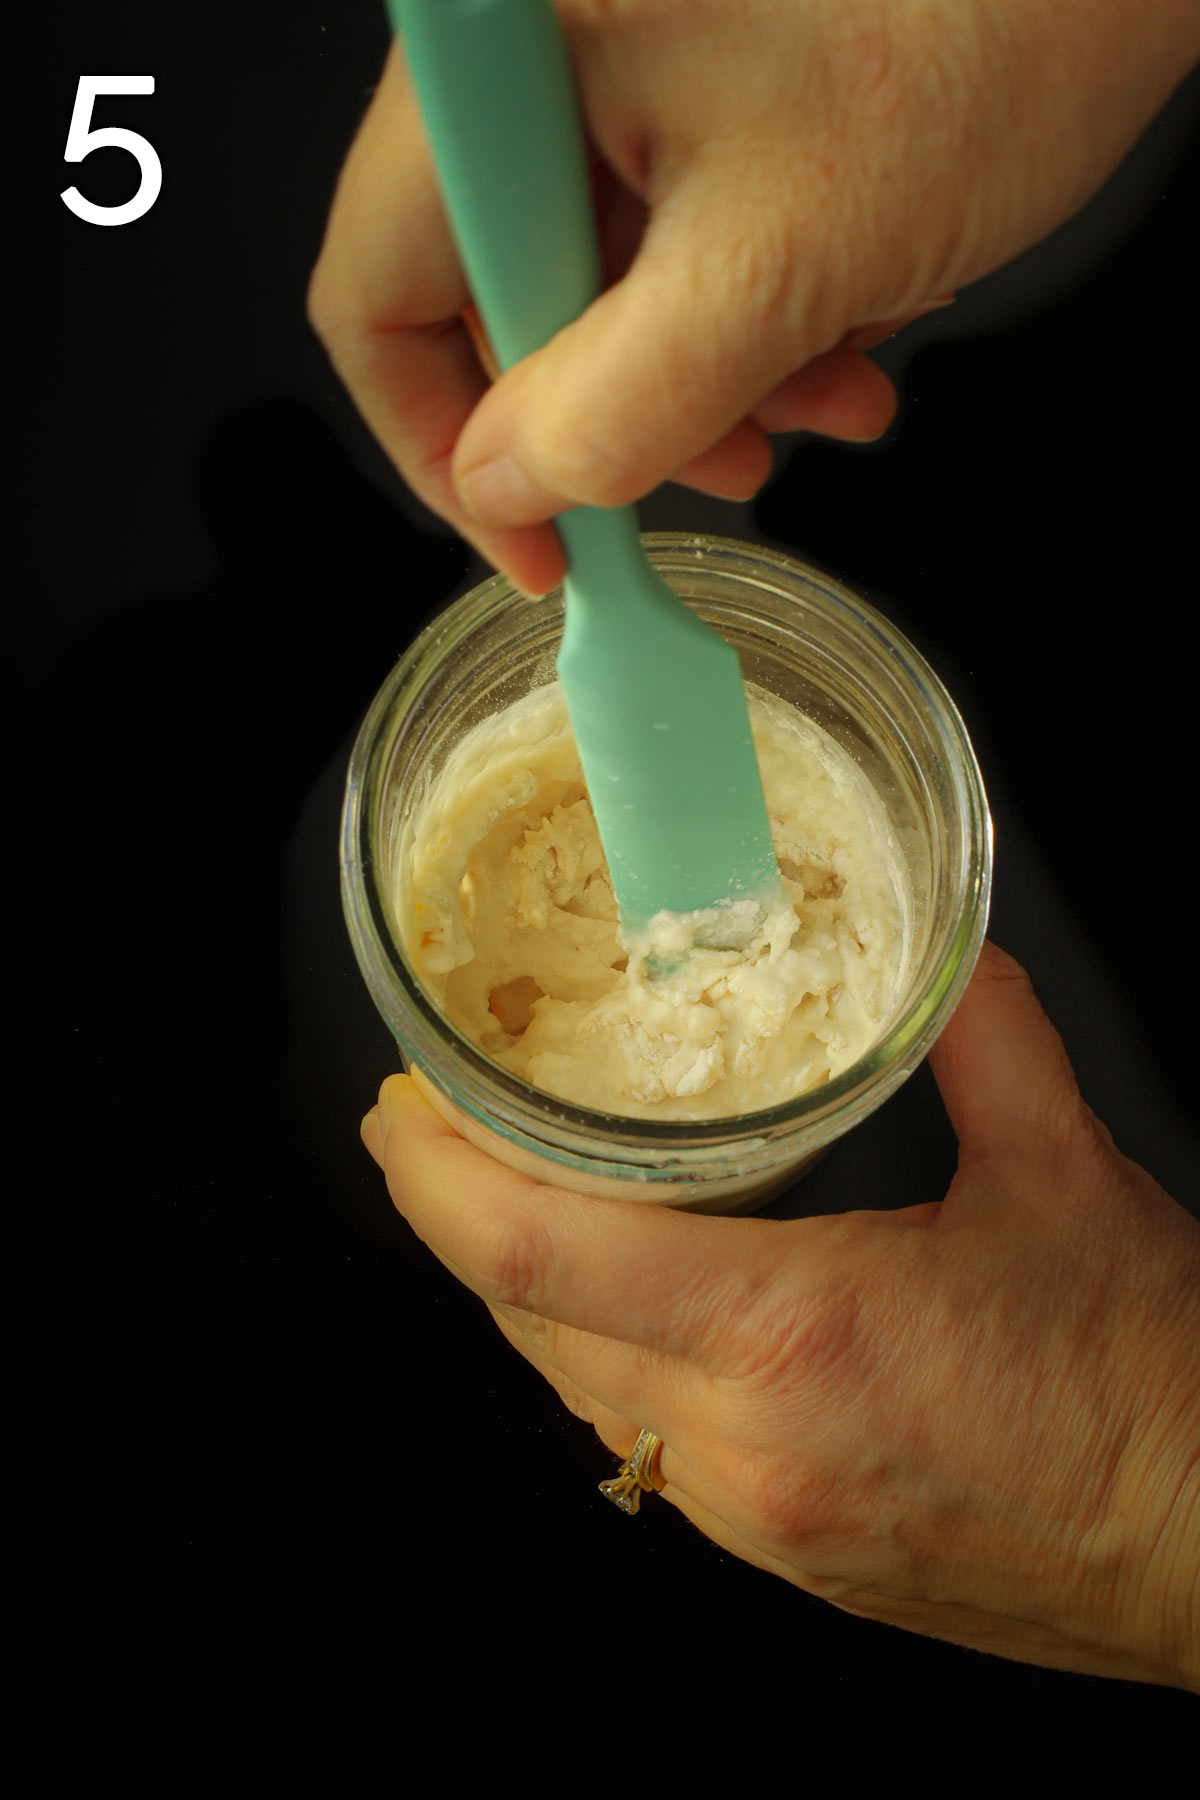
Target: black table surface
(283, 1409)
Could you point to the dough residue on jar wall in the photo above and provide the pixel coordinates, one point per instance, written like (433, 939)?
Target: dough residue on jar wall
(508, 915)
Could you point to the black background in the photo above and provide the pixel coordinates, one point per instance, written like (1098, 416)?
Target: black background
(274, 1432)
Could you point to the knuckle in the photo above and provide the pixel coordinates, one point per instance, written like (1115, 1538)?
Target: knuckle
(577, 461)
(540, 1334)
(811, 1340)
(1087, 1168)
(337, 306)
(776, 1502)
(778, 1499)
(514, 1257)
(321, 302)
(996, 965)
(577, 1403)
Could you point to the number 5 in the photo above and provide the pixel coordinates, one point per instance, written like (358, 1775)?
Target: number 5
(81, 142)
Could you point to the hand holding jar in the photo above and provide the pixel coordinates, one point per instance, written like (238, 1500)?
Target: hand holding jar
(977, 1419)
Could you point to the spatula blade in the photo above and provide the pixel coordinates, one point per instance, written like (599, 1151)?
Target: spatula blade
(658, 707)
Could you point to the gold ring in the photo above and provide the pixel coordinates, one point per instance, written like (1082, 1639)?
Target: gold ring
(639, 1474)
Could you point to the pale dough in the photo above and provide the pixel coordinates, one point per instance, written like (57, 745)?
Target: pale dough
(508, 915)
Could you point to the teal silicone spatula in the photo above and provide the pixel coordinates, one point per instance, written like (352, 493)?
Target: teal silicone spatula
(655, 697)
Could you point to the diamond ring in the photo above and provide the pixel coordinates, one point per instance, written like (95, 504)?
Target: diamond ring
(639, 1474)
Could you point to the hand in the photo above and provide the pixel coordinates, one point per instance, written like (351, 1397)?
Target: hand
(978, 1419)
(779, 183)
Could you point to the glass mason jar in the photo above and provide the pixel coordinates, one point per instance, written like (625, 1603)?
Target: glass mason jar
(802, 636)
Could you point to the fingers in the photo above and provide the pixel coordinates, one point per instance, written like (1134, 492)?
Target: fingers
(639, 1274)
(841, 394)
(1001, 1066)
(654, 374)
(734, 468)
(414, 387)
(681, 1486)
(624, 1379)
(613, 1427)
(677, 372)
(386, 298)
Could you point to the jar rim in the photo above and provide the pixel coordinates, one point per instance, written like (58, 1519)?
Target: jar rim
(828, 1109)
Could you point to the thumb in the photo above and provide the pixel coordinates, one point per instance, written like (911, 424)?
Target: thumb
(656, 371)
(1000, 1065)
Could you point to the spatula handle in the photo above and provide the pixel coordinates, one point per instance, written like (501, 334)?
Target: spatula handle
(496, 91)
